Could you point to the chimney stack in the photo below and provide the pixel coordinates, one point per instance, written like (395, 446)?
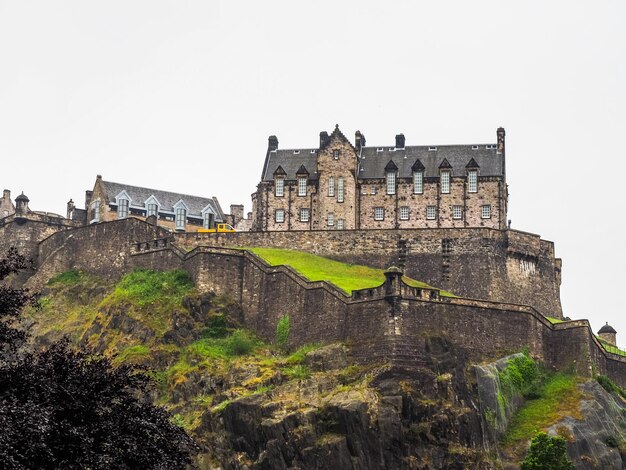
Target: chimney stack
(501, 135)
(400, 141)
(324, 138)
(272, 142)
(359, 140)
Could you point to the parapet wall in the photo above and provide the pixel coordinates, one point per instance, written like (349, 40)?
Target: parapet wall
(489, 264)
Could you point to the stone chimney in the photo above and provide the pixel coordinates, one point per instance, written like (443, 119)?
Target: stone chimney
(359, 140)
(400, 141)
(88, 195)
(70, 209)
(272, 143)
(324, 138)
(249, 216)
(501, 135)
(236, 212)
(608, 334)
(6, 194)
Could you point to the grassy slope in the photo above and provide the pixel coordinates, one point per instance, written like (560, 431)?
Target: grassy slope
(347, 277)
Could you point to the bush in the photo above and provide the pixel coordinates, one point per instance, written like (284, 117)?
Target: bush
(610, 386)
(547, 453)
(283, 329)
(67, 278)
(216, 326)
(299, 372)
(239, 343)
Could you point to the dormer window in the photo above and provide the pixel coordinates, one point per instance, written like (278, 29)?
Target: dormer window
(418, 182)
(151, 209)
(445, 182)
(207, 220)
(280, 187)
(302, 185)
(122, 208)
(472, 181)
(181, 218)
(391, 182)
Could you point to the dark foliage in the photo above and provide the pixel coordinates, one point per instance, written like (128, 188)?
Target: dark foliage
(547, 453)
(12, 301)
(69, 409)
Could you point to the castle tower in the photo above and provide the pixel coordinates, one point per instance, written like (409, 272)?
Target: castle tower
(608, 334)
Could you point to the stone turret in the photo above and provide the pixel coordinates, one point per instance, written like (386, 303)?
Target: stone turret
(608, 334)
(21, 205)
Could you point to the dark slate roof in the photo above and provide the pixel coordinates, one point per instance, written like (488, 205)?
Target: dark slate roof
(291, 163)
(167, 199)
(373, 162)
(607, 329)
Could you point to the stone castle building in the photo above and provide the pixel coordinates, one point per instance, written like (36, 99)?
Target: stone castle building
(341, 186)
(6, 205)
(112, 201)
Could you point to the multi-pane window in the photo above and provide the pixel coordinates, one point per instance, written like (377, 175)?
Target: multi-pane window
(95, 211)
(301, 186)
(457, 212)
(445, 182)
(181, 216)
(472, 181)
(279, 216)
(152, 209)
(485, 211)
(404, 213)
(391, 182)
(340, 189)
(379, 213)
(418, 182)
(207, 221)
(336, 154)
(122, 208)
(373, 190)
(340, 224)
(331, 186)
(330, 219)
(304, 215)
(431, 212)
(280, 187)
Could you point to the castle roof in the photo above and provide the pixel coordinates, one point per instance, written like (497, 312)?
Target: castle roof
(167, 200)
(607, 329)
(373, 161)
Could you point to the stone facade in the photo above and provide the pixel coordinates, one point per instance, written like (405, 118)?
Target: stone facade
(340, 186)
(6, 205)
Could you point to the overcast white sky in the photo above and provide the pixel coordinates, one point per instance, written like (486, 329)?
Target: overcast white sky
(182, 95)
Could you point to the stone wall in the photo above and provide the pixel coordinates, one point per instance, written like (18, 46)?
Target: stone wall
(488, 264)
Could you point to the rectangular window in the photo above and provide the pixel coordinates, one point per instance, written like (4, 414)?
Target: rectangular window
(304, 215)
(373, 190)
(472, 181)
(207, 220)
(330, 219)
(485, 212)
(331, 186)
(391, 182)
(122, 209)
(152, 209)
(340, 224)
(301, 186)
(431, 212)
(445, 182)
(418, 182)
(181, 216)
(339, 189)
(336, 154)
(279, 216)
(379, 213)
(457, 212)
(95, 211)
(280, 187)
(404, 213)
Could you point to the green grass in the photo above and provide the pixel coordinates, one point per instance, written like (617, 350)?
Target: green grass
(133, 353)
(143, 287)
(611, 348)
(554, 320)
(559, 397)
(298, 356)
(71, 277)
(347, 277)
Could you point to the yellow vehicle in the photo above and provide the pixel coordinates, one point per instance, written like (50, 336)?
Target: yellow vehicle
(221, 228)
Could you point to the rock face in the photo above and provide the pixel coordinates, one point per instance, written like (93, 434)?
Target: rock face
(594, 442)
(389, 418)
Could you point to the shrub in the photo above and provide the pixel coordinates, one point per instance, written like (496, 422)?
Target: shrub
(70, 277)
(299, 372)
(611, 441)
(283, 329)
(610, 386)
(216, 326)
(547, 453)
(240, 343)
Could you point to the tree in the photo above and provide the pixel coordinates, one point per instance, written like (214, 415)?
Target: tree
(547, 453)
(62, 408)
